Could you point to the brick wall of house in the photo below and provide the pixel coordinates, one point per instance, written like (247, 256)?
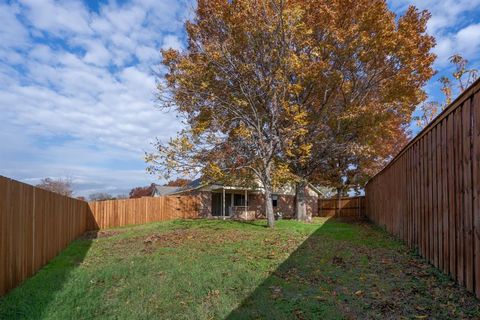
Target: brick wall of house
(285, 205)
(205, 197)
(256, 201)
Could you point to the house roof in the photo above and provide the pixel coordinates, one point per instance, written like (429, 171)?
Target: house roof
(165, 190)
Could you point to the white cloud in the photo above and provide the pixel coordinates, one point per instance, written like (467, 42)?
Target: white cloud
(172, 41)
(96, 54)
(12, 33)
(465, 41)
(57, 16)
(454, 24)
(81, 105)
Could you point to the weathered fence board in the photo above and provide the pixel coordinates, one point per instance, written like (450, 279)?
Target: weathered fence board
(117, 213)
(429, 194)
(34, 226)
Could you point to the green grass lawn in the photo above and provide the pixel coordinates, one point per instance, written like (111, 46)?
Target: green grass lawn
(207, 269)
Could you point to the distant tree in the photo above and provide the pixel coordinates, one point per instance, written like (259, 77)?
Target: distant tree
(178, 182)
(463, 77)
(60, 186)
(139, 192)
(100, 196)
(122, 196)
(82, 198)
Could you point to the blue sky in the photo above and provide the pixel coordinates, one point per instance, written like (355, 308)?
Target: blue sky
(77, 83)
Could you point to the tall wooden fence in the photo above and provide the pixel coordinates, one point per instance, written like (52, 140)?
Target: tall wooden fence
(117, 213)
(353, 207)
(35, 225)
(429, 195)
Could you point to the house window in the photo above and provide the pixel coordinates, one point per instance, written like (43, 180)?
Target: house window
(238, 200)
(274, 200)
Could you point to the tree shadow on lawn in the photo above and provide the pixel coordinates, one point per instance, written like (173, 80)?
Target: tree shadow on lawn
(356, 271)
(31, 299)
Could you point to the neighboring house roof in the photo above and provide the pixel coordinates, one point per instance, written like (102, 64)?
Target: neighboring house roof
(164, 190)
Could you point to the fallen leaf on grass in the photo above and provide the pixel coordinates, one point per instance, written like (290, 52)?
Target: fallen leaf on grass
(276, 292)
(299, 314)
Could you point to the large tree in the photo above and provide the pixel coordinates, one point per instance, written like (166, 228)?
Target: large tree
(362, 76)
(232, 86)
(302, 90)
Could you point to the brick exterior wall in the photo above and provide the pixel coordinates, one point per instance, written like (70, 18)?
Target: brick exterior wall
(256, 202)
(205, 209)
(285, 205)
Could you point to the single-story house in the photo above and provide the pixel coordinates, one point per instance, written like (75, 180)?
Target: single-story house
(219, 200)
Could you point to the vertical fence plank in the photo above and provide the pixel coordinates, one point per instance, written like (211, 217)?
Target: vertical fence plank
(424, 171)
(467, 196)
(476, 188)
(451, 195)
(439, 174)
(434, 195)
(459, 196)
(445, 213)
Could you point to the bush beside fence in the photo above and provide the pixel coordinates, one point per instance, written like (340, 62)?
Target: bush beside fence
(429, 195)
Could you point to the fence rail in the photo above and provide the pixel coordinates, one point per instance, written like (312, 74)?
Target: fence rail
(353, 207)
(117, 213)
(429, 195)
(35, 225)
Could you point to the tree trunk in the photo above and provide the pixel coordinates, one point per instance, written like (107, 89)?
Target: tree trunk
(301, 202)
(337, 206)
(269, 206)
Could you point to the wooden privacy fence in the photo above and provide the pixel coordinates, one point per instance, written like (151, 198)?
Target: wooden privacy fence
(353, 207)
(429, 195)
(117, 213)
(35, 225)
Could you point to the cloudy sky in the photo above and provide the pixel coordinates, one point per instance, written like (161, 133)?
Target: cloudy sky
(77, 83)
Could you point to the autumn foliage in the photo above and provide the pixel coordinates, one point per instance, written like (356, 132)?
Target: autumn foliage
(179, 182)
(293, 90)
(139, 192)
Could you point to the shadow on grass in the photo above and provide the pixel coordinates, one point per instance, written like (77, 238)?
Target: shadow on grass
(354, 270)
(31, 299)
(290, 291)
